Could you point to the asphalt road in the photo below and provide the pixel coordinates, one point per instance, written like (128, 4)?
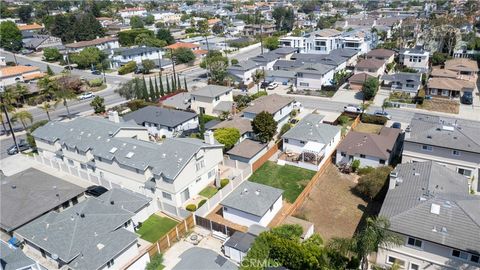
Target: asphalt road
(6, 142)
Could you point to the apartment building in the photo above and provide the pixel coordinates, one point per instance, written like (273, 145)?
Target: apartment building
(118, 154)
(430, 208)
(453, 143)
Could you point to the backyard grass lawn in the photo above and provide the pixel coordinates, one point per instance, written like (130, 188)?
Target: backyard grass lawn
(155, 227)
(208, 192)
(368, 128)
(289, 178)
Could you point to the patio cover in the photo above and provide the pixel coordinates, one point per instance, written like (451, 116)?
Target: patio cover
(313, 147)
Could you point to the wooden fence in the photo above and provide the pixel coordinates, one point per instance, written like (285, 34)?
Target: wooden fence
(355, 122)
(214, 226)
(172, 236)
(270, 152)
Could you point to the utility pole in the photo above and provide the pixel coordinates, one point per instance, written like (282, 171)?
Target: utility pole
(173, 62)
(160, 61)
(2, 90)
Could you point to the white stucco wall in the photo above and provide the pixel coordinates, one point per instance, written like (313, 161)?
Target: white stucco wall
(246, 219)
(364, 162)
(169, 132)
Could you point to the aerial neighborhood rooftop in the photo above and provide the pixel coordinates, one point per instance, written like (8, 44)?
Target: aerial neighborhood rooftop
(240, 135)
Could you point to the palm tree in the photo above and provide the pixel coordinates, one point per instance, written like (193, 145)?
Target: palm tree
(21, 91)
(63, 95)
(47, 87)
(368, 240)
(23, 117)
(47, 108)
(3, 122)
(257, 77)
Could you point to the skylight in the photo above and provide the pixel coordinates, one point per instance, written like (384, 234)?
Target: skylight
(113, 150)
(130, 155)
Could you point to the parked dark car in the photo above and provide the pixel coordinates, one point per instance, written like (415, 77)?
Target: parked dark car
(264, 85)
(467, 98)
(95, 191)
(396, 125)
(68, 67)
(96, 72)
(22, 145)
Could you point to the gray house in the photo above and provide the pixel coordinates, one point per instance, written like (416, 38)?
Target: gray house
(163, 122)
(30, 194)
(405, 82)
(430, 208)
(452, 142)
(13, 258)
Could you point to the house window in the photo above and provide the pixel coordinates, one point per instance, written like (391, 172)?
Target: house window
(456, 153)
(110, 263)
(381, 161)
(198, 179)
(217, 98)
(285, 140)
(70, 162)
(200, 164)
(427, 148)
(300, 75)
(464, 172)
(414, 266)
(392, 260)
(414, 242)
(302, 142)
(362, 156)
(459, 254)
(83, 166)
(475, 258)
(304, 84)
(211, 173)
(343, 154)
(166, 195)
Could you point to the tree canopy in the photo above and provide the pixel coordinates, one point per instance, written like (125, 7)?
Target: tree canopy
(183, 55)
(75, 27)
(271, 43)
(88, 57)
(369, 88)
(11, 37)
(165, 35)
(128, 37)
(284, 18)
(264, 126)
(136, 22)
(227, 136)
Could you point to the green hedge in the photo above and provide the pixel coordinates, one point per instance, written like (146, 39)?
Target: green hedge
(95, 82)
(191, 207)
(373, 119)
(202, 202)
(127, 68)
(224, 182)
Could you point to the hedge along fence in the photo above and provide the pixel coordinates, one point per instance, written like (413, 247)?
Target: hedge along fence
(172, 236)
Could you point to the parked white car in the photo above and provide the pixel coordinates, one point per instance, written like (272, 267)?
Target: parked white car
(272, 86)
(352, 108)
(86, 95)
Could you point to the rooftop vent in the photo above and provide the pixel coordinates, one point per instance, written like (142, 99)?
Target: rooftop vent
(444, 230)
(82, 215)
(435, 209)
(416, 173)
(429, 136)
(112, 202)
(14, 186)
(393, 174)
(130, 155)
(100, 246)
(448, 128)
(257, 192)
(164, 155)
(113, 150)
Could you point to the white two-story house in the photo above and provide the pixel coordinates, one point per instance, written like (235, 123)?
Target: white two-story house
(438, 221)
(278, 106)
(118, 154)
(416, 58)
(454, 143)
(313, 76)
(212, 100)
(243, 71)
(104, 43)
(121, 56)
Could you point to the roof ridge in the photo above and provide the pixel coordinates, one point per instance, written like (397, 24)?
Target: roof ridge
(466, 212)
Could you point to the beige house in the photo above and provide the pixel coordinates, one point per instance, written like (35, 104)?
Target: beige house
(371, 67)
(12, 75)
(212, 100)
(448, 87)
(381, 54)
(465, 69)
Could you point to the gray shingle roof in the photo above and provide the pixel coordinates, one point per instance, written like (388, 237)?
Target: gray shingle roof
(240, 241)
(347, 53)
(280, 73)
(92, 229)
(286, 64)
(211, 91)
(126, 199)
(252, 198)
(247, 149)
(311, 128)
(13, 258)
(243, 66)
(35, 194)
(240, 123)
(326, 59)
(270, 103)
(423, 184)
(266, 57)
(318, 69)
(180, 101)
(404, 77)
(224, 106)
(159, 116)
(203, 259)
(445, 132)
(136, 51)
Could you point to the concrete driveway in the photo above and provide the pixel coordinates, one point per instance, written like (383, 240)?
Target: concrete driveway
(348, 96)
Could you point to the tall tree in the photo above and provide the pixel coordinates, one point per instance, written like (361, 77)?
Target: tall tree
(164, 34)
(11, 37)
(50, 71)
(136, 22)
(127, 90)
(179, 85)
(284, 18)
(257, 77)
(368, 240)
(25, 13)
(98, 104)
(168, 85)
(47, 108)
(174, 83)
(145, 95)
(24, 117)
(151, 90)
(88, 57)
(264, 126)
(185, 84)
(157, 91)
(162, 91)
(138, 90)
(64, 93)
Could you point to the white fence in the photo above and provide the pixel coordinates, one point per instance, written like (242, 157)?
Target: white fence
(96, 180)
(244, 171)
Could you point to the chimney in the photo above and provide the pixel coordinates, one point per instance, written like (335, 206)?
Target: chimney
(208, 137)
(113, 116)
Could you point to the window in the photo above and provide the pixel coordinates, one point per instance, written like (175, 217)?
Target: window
(83, 166)
(343, 154)
(300, 75)
(70, 162)
(110, 263)
(427, 148)
(285, 140)
(200, 164)
(66, 204)
(211, 173)
(304, 84)
(459, 254)
(475, 258)
(166, 195)
(302, 142)
(217, 98)
(464, 172)
(381, 161)
(414, 266)
(392, 260)
(362, 156)
(414, 242)
(456, 153)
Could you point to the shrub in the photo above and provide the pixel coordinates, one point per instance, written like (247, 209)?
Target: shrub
(224, 182)
(343, 119)
(156, 262)
(202, 202)
(286, 127)
(365, 170)
(293, 113)
(136, 104)
(191, 207)
(259, 94)
(234, 61)
(95, 82)
(372, 183)
(127, 68)
(355, 165)
(373, 119)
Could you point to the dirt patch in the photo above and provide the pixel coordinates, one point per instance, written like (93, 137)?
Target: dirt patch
(333, 208)
(368, 128)
(441, 105)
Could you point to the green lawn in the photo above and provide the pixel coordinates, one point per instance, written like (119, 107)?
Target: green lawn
(289, 178)
(155, 227)
(208, 192)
